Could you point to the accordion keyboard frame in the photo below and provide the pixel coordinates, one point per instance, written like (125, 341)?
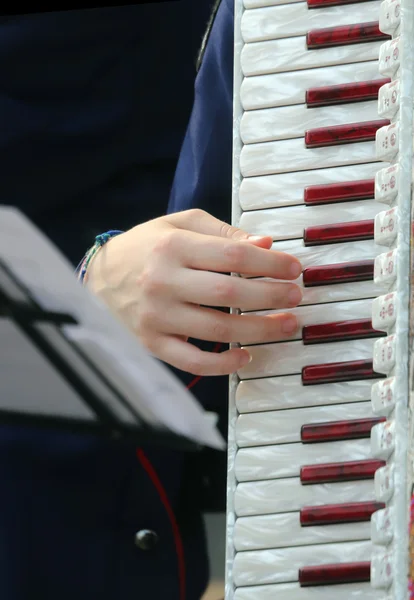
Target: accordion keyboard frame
(392, 549)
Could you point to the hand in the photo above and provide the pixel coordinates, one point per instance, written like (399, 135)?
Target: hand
(160, 277)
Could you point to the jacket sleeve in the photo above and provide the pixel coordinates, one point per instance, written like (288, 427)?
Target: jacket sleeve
(203, 175)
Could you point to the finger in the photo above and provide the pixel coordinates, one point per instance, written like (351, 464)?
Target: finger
(214, 289)
(215, 326)
(209, 253)
(199, 221)
(187, 357)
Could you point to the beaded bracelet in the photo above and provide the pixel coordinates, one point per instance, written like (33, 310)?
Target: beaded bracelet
(100, 241)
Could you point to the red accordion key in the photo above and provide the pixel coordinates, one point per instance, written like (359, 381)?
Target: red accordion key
(339, 192)
(337, 472)
(338, 273)
(342, 35)
(352, 370)
(339, 232)
(361, 91)
(326, 3)
(350, 133)
(331, 514)
(339, 331)
(334, 574)
(338, 430)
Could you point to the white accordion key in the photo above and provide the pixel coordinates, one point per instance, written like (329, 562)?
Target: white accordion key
(384, 354)
(292, 54)
(275, 393)
(286, 460)
(283, 89)
(289, 358)
(284, 495)
(382, 526)
(385, 267)
(381, 570)
(285, 529)
(296, 19)
(312, 256)
(383, 440)
(387, 142)
(389, 99)
(383, 397)
(285, 426)
(288, 189)
(287, 122)
(390, 16)
(340, 292)
(386, 227)
(285, 156)
(384, 483)
(290, 221)
(258, 567)
(319, 315)
(384, 312)
(389, 57)
(324, 313)
(386, 184)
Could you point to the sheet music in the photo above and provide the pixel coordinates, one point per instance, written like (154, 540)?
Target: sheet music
(151, 390)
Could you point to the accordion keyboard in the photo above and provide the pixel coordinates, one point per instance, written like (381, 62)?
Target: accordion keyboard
(317, 165)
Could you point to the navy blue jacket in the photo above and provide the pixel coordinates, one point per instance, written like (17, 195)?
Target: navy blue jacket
(70, 505)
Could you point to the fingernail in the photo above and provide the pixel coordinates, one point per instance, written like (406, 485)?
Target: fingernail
(246, 359)
(290, 324)
(294, 296)
(254, 238)
(295, 270)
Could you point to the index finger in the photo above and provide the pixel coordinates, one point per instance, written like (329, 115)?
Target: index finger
(210, 253)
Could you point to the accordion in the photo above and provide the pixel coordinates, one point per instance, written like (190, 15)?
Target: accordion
(320, 468)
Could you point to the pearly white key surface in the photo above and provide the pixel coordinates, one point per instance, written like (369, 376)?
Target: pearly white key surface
(276, 22)
(283, 495)
(329, 254)
(284, 530)
(258, 567)
(322, 313)
(284, 426)
(285, 189)
(286, 122)
(291, 155)
(285, 460)
(292, 54)
(278, 393)
(288, 358)
(293, 591)
(336, 293)
(290, 221)
(282, 89)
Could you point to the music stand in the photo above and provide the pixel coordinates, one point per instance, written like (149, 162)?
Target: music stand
(59, 349)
